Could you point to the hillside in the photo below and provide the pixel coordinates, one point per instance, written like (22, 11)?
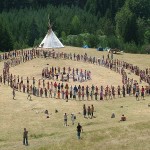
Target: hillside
(122, 24)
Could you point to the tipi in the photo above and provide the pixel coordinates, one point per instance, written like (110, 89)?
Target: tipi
(51, 40)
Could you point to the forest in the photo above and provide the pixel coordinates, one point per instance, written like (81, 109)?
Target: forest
(123, 24)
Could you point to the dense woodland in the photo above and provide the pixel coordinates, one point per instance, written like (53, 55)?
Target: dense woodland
(123, 24)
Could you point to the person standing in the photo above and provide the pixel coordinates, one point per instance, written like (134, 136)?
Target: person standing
(96, 93)
(66, 95)
(84, 111)
(45, 91)
(62, 93)
(65, 119)
(91, 95)
(89, 111)
(71, 92)
(111, 54)
(119, 91)
(123, 91)
(29, 95)
(79, 129)
(25, 137)
(92, 111)
(73, 117)
(137, 94)
(13, 93)
(142, 92)
(58, 94)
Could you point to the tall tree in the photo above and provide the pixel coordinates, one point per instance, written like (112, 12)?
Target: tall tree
(75, 25)
(147, 37)
(6, 41)
(126, 26)
(91, 6)
(33, 33)
(141, 8)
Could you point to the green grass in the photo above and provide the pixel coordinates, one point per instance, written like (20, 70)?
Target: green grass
(2, 140)
(37, 136)
(141, 125)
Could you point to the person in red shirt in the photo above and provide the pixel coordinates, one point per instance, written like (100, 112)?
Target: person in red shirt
(142, 92)
(58, 94)
(66, 95)
(55, 85)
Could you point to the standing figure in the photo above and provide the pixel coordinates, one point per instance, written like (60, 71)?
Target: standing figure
(13, 93)
(25, 137)
(65, 119)
(79, 128)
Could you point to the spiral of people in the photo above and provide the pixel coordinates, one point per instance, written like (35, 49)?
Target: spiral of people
(65, 83)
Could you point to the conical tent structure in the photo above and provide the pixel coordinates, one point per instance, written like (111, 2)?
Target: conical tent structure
(51, 40)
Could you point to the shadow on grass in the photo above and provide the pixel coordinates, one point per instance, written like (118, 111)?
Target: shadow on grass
(2, 140)
(37, 136)
(140, 125)
(43, 148)
(91, 123)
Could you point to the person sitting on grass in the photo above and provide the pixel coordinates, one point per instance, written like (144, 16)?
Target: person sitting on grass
(123, 118)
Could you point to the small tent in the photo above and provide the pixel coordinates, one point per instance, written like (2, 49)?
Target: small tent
(100, 49)
(85, 46)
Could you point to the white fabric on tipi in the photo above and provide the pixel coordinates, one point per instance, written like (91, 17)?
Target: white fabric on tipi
(51, 41)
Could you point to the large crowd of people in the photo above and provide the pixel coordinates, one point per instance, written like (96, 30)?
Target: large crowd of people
(66, 74)
(17, 57)
(59, 90)
(53, 89)
(65, 91)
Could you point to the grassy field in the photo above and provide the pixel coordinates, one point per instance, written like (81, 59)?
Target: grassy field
(99, 133)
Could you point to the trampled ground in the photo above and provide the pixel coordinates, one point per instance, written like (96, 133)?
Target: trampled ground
(101, 132)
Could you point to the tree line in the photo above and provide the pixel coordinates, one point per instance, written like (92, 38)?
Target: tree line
(123, 24)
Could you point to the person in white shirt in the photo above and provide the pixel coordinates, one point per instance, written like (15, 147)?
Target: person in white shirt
(72, 118)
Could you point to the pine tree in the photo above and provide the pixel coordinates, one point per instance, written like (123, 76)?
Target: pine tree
(75, 25)
(126, 26)
(6, 41)
(33, 33)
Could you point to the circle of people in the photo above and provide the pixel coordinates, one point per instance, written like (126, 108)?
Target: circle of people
(129, 86)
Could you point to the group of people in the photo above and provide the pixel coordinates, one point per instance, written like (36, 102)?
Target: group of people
(56, 90)
(66, 91)
(144, 74)
(17, 57)
(65, 75)
(23, 55)
(73, 118)
(113, 64)
(88, 112)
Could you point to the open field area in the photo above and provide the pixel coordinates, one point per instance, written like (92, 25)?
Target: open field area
(99, 133)
(98, 72)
